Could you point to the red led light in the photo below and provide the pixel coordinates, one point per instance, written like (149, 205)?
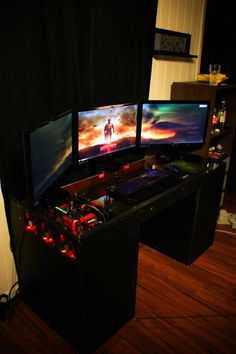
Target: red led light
(74, 227)
(32, 228)
(68, 252)
(101, 175)
(87, 220)
(89, 216)
(62, 238)
(126, 167)
(49, 240)
(71, 254)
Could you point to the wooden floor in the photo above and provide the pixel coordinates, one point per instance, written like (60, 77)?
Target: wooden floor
(179, 308)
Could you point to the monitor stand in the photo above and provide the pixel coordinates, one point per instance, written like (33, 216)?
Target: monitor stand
(109, 165)
(115, 163)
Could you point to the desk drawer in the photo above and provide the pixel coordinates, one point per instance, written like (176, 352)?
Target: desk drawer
(164, 200)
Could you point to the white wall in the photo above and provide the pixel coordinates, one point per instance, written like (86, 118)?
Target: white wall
(8, 274)
(187, 16)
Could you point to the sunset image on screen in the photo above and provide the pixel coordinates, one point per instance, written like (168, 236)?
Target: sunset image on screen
(176, 123)
(105, 130)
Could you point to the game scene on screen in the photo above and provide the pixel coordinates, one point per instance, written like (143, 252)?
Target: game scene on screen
(173, 123)
(51, 152)
(106, 130)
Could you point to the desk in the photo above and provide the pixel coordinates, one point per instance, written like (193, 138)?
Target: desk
(95, 287)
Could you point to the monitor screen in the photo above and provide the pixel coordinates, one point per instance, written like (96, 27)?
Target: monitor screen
(174, 123)
(48, 153)
(106, 130)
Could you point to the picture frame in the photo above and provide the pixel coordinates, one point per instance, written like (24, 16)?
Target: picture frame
(172, 43)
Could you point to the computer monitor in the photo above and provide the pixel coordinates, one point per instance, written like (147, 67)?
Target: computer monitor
(179, 124)
(48, 154)
(104, 131)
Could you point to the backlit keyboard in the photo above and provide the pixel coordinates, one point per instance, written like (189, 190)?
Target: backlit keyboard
(143, 186)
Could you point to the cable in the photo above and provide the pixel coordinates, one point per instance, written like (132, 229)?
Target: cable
(226, 232)
(10, 291)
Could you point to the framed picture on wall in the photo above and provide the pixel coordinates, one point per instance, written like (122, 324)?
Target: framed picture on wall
(172, 43)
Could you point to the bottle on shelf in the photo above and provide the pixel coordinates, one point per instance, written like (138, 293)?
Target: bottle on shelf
(215, 122)
(222, 114)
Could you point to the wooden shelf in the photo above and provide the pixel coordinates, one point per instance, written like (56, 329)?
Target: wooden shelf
(195, 90)
(218, 135)
(163, 55)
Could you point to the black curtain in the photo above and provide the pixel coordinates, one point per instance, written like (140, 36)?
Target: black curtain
(62, 54)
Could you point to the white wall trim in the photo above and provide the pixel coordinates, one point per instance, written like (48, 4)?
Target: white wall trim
(8, 275)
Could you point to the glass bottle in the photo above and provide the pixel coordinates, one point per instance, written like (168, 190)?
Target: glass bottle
(214, 120)
(222, 114)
